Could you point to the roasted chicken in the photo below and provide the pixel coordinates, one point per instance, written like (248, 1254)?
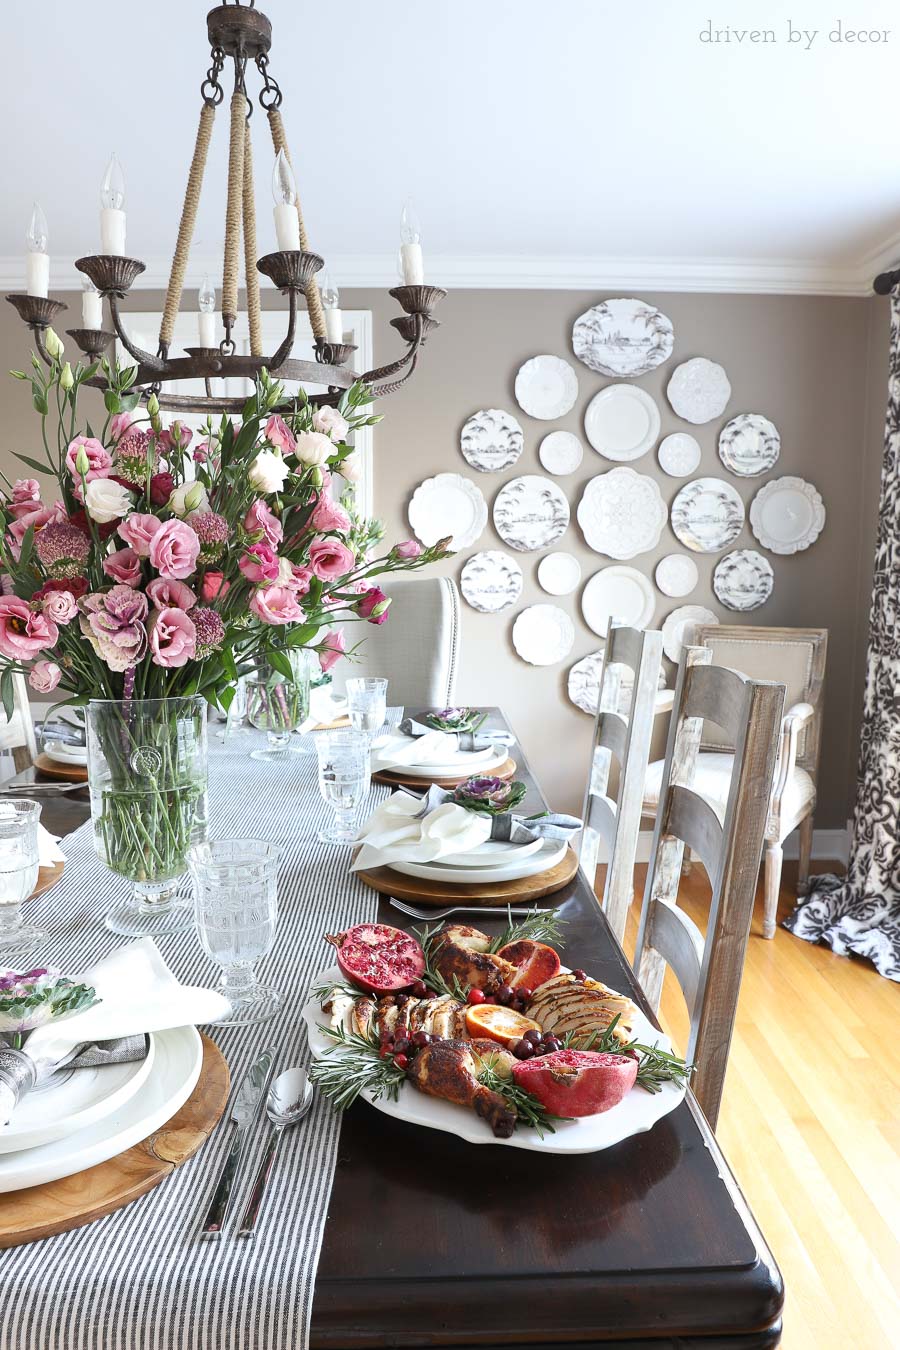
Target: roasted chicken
(565, 1004)
(462, 952)
(450, 1069)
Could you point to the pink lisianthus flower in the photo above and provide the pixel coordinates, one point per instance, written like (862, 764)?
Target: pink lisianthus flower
(58, 606)
(299, 579)
(174, 550)
(23, 631)
(173, 638)
(124, 566)
(259, 520)
(259, 563)
(177, 435)
(276, 605)
(330, 422)
(407, 550)
(99, 459)
(213, 586)
(44, 676)
(330, 559)
(113, 623)
(118, 426)
(138, 531)
(279, 434)
(164, 593)
(36, 519)
(26, 497)
(329, 515)
(331, 649)
(373, 605)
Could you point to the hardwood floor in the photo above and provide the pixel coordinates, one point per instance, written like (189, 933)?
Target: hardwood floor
(810, 1123)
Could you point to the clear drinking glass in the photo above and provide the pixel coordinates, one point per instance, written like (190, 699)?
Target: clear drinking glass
(236, 909)
(343, 780)
(278, 705)
(367, 705)
(18, 871)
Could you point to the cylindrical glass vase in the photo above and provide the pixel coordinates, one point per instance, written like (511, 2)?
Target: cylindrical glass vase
(278, 705)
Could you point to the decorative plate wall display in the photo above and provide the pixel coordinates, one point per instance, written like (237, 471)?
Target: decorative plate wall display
(676, 575)
(623, 338)
(707, 515)
(584, 683)
(560, 452)
(699, 390)
(787, 515)
(491, 581)
(622, 422)
(676, 630)
(749, 445)
(559, 573)
(448, 504)
(543, 635)
(743, 580)
(620, 593)
(622, 513)
(679, 455)
(491, 440)
(546, 387)
(530, 512)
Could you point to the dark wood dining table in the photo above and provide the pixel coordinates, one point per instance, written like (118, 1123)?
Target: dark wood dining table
(432, 1241)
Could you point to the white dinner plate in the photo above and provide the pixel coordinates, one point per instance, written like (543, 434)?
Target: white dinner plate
(560, 452)
(699, 390)
(676, 575)
(551, 852)
(559, 573)
(787, 515)
(679, 455)
(622, 422)
(531, 512)
(620, 593)
(463, 762)
(491, 440)
(61, 753)
(636, 1114)
(546, 387)
(492, 853)
(678, 627)
(176, 1068)
(543, 635)
(448, 505)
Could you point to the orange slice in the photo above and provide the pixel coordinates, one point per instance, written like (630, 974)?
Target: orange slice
(499, 1023)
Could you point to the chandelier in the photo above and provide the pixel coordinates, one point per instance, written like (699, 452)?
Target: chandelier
(241, 34)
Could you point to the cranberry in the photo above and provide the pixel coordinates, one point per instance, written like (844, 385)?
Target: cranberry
(386, 1050)
(551, 1044)
(523, 1049)
(534, 1036)
(517, 1003)
(580, 975)
(504, 994)
(421, 1038)
(432, 993)
(401, 1061)
(419, 989)
(401, 1045)
(525, 995)
(476, 996)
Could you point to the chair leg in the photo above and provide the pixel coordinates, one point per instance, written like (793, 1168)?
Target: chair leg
(687, 862)
(805, 840)
(774, 859)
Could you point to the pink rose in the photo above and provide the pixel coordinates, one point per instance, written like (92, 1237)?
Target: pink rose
(173, 638)
(59, 606)
(174, 550)
(99, 460)
(123, 566)
(214, 585)
(299, 579)
(329, 559)
(119, 425)
(331, 649)
(371, 600)
(279, 434)
(329, 515)
(164, 593)
(23, 631)
(331, 423)
(259, 519)
(44, 676)
(276, 605)
(410, 548)
(259, 563)
(138, 532)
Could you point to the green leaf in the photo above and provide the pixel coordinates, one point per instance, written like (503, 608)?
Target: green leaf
(27, 547)
(33, 463)
(112, 402)
(8, 693)
(281, 662)
(40, 404)
(129, 402)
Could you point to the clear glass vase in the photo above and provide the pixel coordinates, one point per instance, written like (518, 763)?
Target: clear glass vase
(278, 705)
(147, 775)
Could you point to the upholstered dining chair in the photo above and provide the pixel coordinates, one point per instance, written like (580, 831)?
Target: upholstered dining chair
(729, 844)
(796, 658)
(622, 732)
(17, 736)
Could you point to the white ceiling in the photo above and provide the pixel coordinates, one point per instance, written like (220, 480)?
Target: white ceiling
(546, 142)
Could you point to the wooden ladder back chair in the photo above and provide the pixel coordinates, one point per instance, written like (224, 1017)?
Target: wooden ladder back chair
(625, 737)
(709, 970)
(17, 732)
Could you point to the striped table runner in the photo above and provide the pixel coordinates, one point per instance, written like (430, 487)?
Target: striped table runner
(140, 1279)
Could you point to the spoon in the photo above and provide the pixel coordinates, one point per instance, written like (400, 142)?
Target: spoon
(289, 1099)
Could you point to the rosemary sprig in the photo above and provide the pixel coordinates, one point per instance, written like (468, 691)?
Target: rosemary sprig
(431, 976)
(325, 991)
(655, 1066)
(541, 925)
(529, 1111)
(351, 1066)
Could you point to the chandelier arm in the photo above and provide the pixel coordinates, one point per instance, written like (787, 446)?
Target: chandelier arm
(186, 225)
(284, 350)
(251, 275)
(394, 385)
(233, 210)
(313, 298)
(154, 363)
(410, 355)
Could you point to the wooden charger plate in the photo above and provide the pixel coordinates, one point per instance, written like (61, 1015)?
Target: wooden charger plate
(69, 773)
(395, 778)
(437, 894)
(47, 878)
(72, 1202)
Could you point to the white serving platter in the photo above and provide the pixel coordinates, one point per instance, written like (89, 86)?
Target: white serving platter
(61, 753)
(623, 338)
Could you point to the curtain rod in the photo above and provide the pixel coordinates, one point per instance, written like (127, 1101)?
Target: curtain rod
(885, 282)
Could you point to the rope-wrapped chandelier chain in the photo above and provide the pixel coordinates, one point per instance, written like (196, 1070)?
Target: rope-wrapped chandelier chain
(233, 214)
(186, 225)
(251, 275)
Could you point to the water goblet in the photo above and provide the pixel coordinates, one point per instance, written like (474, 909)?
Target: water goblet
(343, 780)
(236, 910)
(367, 704)
(278, 705)
(18, 871)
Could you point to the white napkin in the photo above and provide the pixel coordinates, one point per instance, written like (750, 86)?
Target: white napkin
(438, 747)
(49, 851)
(393, 834)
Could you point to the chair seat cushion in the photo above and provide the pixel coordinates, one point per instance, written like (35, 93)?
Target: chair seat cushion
(712, 779)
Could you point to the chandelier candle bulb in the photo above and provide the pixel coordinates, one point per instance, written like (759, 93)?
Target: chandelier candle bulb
(334, 319)
(91, 306)
(411, 260)
(112, 213)
(37, 259)
(206, 319)
(287, 217)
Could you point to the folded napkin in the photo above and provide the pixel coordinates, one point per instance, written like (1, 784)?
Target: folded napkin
(460, 740)
(400, 831)
(49, 851)
(434, 747)
(507, 826)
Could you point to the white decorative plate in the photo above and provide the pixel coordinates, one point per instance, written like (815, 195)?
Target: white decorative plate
(548, 855)
(622, 513)
(559, 573)
(787, 515)
(622, 422)
(679, 455)
(584, 683)
(638, 1112)
(61, 753)
(676, 575)
(560, 452)
(743, 580)
(530, 512)
(620, 593)
(384, 758)
(448, 504)
(491, 440)
(677, 628)
(623, 338)
(492, 853)
(491, 581)
(699, 390)
(546, 387)
(749, 445)
(707, 515)
(543, 635)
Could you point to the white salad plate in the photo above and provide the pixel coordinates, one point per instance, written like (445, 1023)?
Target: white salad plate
(559, 573)
(61, 753)
(73, 1099)
(699, 390)
(787, 515)
(176, 1068)
(679, 454)
(622, 422)
(560, 452)
(491, 581)
(743, 580)
(491, 440)
(707, 515)
(530, 513)
(623, 338)
(551, 852)
(492, 853)
(448, 504)
(636, 1114)
(749, 445)
(622, 513)
(676, 575)
(583, 684)
(459, 761)
(543, 635)
(546, 387)
(676, 630)
(622, 594)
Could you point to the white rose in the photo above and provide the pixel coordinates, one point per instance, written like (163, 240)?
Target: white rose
(330, 421)
(106, 500)
(188, 497)
(268, 472)
(313, 448)
(350, 468)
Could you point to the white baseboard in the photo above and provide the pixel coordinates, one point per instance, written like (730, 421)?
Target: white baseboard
(831, 845)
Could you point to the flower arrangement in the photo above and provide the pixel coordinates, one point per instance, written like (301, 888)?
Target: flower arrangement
(29, 1000)
(490, 796)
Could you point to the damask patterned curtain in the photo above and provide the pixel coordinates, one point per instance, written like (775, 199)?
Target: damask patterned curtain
(861, 912)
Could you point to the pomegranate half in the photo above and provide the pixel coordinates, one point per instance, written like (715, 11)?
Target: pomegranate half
(377, 958)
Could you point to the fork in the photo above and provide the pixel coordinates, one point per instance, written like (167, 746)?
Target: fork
(484, 911)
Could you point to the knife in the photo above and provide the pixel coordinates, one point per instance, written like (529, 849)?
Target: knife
(246, 1104)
